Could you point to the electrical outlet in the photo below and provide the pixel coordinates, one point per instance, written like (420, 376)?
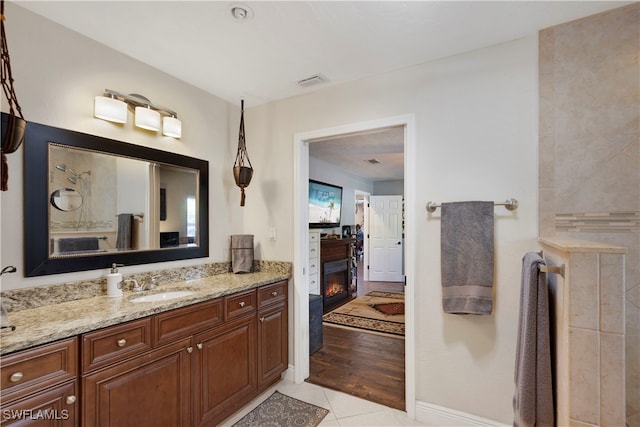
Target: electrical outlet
(272, 233)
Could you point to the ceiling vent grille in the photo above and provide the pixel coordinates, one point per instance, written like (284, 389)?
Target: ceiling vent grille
(312, 80)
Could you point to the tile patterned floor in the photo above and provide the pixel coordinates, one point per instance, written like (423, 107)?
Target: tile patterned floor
(345, 410)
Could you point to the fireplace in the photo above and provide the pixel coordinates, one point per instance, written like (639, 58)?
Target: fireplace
(335, 283)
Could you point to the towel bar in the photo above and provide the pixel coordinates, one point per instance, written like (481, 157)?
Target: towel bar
(549, 269)
(510, 204)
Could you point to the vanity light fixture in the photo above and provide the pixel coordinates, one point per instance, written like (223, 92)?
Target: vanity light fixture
(112, 106)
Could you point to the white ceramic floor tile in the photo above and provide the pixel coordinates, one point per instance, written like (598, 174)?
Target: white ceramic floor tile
(345, 405)
(345, 410)
(383, 418)
(306, 392)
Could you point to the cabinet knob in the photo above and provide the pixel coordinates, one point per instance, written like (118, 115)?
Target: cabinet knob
(16, 377)
(199, 345)
(189, 349)
(274, 293)
(122, 342)
(241, 303)
(262, 319)
(71, 400)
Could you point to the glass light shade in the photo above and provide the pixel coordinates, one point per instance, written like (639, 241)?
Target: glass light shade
(146, 118)
(110, 109)
(171, 126)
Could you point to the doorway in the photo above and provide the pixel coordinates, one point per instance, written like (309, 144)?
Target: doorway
(301, 297)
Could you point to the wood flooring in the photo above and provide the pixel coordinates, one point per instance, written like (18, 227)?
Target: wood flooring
(362, 364)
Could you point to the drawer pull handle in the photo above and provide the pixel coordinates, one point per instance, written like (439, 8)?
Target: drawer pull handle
(241, 303)
(262, 319)
(274, 293)
(16, 377)
(199, 345)
(122, 342)
(189, 349)
(71, 400)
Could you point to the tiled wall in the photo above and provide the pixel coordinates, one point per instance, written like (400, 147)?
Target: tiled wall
(589, 159)
(589, 332)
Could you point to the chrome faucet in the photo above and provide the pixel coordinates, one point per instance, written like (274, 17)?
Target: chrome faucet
(136, 287)
(154, 282)
(139, 288)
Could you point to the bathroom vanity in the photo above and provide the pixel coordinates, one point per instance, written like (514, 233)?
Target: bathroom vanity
(189, 361)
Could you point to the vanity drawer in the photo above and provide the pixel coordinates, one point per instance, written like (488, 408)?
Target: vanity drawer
(184, 322)
(272, 294)
(239, 304)
(112, 344)
(29, 371)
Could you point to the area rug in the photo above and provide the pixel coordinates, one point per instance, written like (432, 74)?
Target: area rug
(280, 410)
(377, 311)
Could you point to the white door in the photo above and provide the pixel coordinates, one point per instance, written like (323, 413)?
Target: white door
(385, 239)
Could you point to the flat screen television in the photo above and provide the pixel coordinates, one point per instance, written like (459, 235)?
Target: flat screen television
(325, 205)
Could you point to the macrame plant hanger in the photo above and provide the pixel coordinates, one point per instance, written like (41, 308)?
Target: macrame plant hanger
(15, 126)
(241, 172)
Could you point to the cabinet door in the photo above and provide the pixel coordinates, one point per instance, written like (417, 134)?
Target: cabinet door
(225, 370)
(152, 390)
(272, 343)
(54, 407)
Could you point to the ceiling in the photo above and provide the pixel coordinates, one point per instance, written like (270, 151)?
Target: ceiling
(376, 155)
(262, 58)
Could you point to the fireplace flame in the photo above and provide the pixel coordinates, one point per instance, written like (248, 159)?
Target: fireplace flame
(334, 289)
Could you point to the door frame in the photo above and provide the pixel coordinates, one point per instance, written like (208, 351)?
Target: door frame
(301, 244)
(365, 229)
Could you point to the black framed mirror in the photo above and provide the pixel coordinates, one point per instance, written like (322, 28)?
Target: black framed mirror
(108, 226)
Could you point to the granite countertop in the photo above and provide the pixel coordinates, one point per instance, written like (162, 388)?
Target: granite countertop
(40, 325)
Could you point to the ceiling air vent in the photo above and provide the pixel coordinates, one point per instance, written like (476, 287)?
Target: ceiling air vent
(312, 80)
(373, 161)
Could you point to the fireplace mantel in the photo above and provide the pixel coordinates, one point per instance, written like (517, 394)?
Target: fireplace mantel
(335, 250)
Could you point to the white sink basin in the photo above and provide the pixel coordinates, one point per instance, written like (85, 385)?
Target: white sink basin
(163, 296)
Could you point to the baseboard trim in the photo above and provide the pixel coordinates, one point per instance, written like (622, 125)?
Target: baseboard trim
(288, 374)
(434, 415)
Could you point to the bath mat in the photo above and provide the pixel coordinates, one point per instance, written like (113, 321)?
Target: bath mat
(280, 410)
(360, 313)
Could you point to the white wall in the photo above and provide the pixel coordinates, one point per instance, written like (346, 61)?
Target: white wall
(476, 132)
(57, 75)
(389, 188)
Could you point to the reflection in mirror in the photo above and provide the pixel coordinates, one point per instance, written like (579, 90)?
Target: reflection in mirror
(107, 208)
(118, 217)
(66, 199)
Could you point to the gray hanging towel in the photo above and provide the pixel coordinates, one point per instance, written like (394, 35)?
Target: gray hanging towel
(242, 253)
(123, 239)
(77, 244)
(466, 251)
(533, 396)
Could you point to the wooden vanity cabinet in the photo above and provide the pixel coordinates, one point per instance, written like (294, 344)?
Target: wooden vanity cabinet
(194, 365)
(225, 375)
(273, 343)
(39, 385)
(153, 389)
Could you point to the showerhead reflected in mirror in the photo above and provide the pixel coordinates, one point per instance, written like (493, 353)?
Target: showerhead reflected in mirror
(66, 199)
